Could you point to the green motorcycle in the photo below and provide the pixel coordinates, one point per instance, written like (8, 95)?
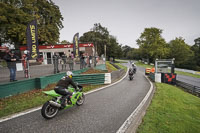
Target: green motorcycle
(51, 108)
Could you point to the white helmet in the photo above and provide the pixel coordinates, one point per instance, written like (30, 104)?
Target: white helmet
(26, 52)
(69, 74)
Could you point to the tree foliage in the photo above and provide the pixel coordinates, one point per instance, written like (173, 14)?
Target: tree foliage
(180, 51)
(125, 50)
(16, 14)
(99, 35)
(152, 45)
(65, 42)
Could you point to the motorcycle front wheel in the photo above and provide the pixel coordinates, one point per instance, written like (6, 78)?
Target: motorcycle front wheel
(80, 100)
(48, 111)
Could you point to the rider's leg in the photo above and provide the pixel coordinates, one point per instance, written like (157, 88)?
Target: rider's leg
(65, 93)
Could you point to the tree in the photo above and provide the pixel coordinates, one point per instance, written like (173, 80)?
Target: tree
(16, 14)
(13, 24)
(113, 48)
(133, 54)
(99, 35)
(126, 50)
(65, 42)
(181, 52)
(152, 45)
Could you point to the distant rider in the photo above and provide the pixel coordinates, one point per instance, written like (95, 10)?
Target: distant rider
(134, 67)
(131, 71)
(62, 87)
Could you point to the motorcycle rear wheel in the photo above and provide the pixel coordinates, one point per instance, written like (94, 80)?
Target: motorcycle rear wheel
(80, 100)
(48, 111)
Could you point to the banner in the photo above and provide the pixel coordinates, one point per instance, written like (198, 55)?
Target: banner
(76, 45)
(32, 40)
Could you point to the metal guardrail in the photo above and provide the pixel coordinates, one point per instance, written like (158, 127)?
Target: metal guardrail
(195, 90)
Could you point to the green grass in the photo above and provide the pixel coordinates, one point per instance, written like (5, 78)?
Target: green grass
(110, 66)
(22, 102)
(143, 65)
(121, 61)
(121, 66)
(171, 111)
(187, 74)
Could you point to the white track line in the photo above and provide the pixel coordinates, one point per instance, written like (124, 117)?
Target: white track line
(129, 120)
(38, 108)
(19, 114)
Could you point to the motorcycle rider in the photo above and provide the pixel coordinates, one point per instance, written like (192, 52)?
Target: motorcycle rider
(131, 71)
(134, 67)
(62, 86)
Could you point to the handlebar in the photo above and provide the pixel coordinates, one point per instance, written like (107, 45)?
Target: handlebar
(80, 87)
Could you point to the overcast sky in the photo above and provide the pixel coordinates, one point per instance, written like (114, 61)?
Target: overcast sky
(126, 19)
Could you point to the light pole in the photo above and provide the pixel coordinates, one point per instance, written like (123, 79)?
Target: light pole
(105, 51)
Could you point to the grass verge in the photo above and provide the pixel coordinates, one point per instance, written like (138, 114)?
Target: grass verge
(187, 74)
(143, 65)
(23, 101)
(121, 61)
(121, 66)
(171, 111)
(110, 67)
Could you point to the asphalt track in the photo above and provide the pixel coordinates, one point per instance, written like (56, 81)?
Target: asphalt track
(190, 80)
(104, 111)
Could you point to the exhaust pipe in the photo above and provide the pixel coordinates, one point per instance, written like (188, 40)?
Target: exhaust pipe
(55, 104)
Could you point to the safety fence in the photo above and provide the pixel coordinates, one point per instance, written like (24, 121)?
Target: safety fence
(195, 90)
(38, 69)
(188, 71)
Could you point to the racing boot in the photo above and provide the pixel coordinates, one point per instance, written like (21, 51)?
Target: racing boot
(69, 100)
(63, 104)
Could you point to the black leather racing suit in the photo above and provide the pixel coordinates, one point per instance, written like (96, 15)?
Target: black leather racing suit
(61, 88)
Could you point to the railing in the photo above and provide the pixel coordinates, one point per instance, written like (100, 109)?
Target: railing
(38, 69)
(195, 90)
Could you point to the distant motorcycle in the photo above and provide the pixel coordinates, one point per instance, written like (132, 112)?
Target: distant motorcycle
(51, 108)
(131, 73)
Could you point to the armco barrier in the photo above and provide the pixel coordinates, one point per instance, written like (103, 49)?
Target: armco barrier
(17, 87)
(21, 86)
(195, 90)
(90, 78)
(13, 88)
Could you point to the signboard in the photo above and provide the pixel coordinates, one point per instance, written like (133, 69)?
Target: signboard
(76, 45)
(60, 46)
(32, 40)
